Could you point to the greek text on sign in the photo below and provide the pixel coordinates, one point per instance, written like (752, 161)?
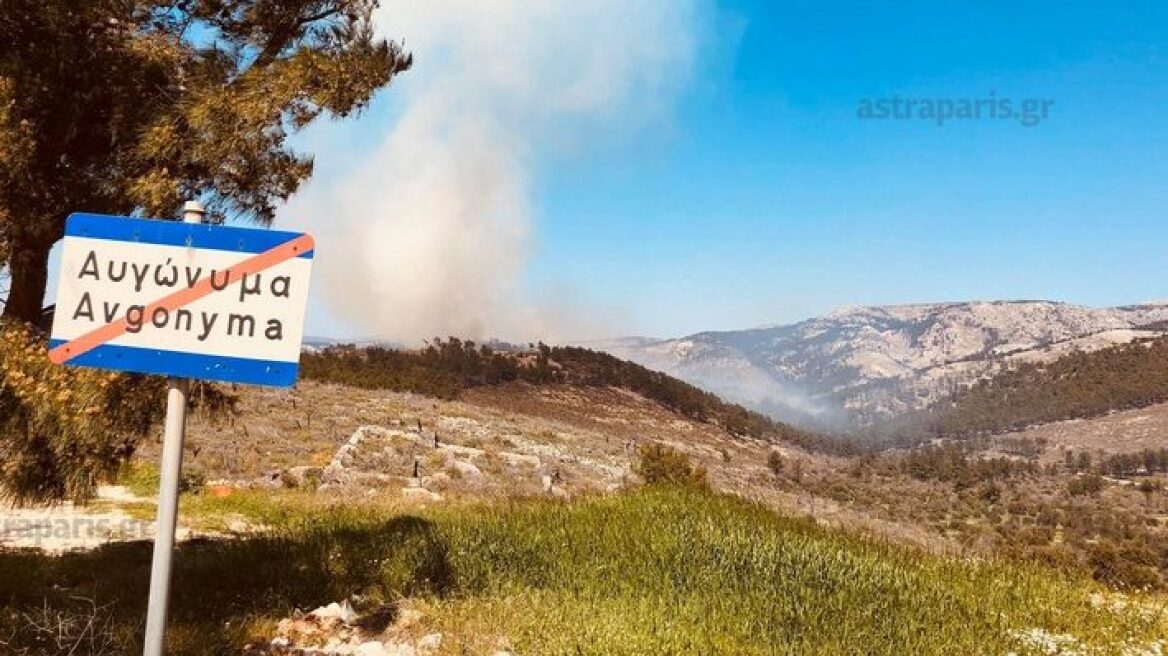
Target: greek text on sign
(181, 299)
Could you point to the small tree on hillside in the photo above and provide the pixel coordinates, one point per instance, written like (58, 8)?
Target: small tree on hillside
(775, 463)
(1084, 462)
(1085, 485)
(660, 464)
(1148, 488)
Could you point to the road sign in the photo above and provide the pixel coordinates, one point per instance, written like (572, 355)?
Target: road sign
(186, 300)
(181, 299)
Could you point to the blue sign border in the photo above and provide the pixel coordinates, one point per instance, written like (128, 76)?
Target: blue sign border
(177, 233)
(182, 364)
(133, 359)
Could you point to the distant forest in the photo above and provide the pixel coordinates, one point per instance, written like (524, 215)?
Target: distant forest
(446, 367)
(1078, 385)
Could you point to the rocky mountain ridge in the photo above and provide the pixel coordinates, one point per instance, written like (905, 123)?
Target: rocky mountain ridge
(861, 364)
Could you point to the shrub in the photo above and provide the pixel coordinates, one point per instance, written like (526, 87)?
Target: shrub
(192, 482)
(775, 463)
(1148, 488)
(989, 492)
(797, 470)
(1088, 485)
(1123, 567)
(658, 463)
(62, 429)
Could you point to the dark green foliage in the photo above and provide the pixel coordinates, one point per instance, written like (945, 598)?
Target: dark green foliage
(1079, 385)
(1026, 447)
(1085, 485)
(775, 463)
(1148, 461)
(132, 106)
(1149, 489)
(989, 493)
(950, 462)
(1127, 566)
(1077, 462)
(445, 367)
(660, 464)
(64, 429)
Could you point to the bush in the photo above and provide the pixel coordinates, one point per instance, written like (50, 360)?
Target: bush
(1088, 485)
(63, 429)
(989, 492)
(775, 463)
(1126, 567)
(144, 479)
(659, 464)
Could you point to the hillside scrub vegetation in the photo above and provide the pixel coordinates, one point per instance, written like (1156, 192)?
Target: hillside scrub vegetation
(952, 463)
(660, 464)
(660, 570)
(1076, 386)
(1147, 461)
(445, 367)
(64, 429)
(1062, 512)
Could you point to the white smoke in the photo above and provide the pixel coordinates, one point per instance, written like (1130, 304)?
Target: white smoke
(428, 230)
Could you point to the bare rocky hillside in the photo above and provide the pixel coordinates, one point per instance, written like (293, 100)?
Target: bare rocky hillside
(499, 442)
(867, 363)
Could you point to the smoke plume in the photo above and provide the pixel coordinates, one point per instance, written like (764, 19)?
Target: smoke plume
(426, 226)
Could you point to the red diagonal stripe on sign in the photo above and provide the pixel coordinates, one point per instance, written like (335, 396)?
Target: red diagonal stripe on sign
(254, 264)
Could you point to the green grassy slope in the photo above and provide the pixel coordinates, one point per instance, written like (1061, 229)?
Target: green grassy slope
(656, 571)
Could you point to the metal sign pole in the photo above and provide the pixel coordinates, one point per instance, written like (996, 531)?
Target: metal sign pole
(172, 448)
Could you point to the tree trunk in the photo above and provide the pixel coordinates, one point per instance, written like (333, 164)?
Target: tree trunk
(29, 269)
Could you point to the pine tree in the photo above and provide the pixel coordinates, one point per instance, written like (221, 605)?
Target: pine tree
(132, 106)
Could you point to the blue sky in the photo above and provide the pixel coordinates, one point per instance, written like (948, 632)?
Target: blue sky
(752, 193)
(766, 200)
